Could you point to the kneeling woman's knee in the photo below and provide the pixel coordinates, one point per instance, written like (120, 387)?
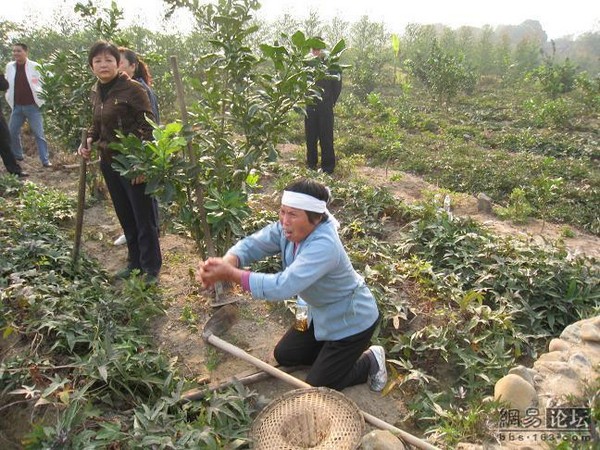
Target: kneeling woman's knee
(281, 356)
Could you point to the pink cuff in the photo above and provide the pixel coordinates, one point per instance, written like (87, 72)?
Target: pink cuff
(246, 280)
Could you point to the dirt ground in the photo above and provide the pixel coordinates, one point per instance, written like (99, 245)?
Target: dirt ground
(178, 331)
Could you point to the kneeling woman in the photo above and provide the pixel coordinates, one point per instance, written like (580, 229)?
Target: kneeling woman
(342, 314)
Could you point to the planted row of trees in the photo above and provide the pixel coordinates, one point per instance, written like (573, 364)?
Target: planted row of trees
(247, 92)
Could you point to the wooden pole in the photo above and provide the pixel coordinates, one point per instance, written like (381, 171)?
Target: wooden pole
(80, 200)
(198, 190)
(210, 248)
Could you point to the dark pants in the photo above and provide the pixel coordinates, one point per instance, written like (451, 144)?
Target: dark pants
(137, 213)
(318, 127)
(335, 364)
(8, 158)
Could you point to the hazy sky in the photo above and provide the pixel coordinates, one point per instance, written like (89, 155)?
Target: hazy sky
(570, 17)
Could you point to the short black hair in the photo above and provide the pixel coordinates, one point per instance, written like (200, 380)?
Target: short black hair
(314, 189)
(103, 47)
(23, 46)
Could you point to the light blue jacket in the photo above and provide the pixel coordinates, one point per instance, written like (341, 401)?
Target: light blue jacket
(340, 303)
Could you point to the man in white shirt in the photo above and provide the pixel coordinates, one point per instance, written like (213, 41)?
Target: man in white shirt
(23, 96)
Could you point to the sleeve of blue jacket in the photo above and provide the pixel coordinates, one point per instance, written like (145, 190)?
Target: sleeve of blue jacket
(316, 256)
(259, 245)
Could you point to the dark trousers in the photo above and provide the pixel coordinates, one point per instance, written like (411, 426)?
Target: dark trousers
(318, 128)
(8, 158)
(137, 213)
(335, 364)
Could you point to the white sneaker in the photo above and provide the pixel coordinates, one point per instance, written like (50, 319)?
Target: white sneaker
(378, 381)
(120, 240)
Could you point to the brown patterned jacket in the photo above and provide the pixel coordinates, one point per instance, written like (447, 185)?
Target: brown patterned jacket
(125, 108)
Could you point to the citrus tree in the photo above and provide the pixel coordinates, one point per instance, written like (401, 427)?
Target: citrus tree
(244, 98)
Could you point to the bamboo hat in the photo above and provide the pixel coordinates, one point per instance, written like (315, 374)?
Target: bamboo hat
(311, 418)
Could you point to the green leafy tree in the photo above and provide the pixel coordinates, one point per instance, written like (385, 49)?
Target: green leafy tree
(104, 21)
(396, 49)
(336, 30)
(313, 25)
(243, 101)
(485, 52)
(544, 191)
(67, 93)
(555, 78)
(285, 24)
(526, 57)
(442, 73)
(589, 89)
(368, 54)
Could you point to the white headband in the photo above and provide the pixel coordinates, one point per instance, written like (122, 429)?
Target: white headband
(303, 201)
(307, 203)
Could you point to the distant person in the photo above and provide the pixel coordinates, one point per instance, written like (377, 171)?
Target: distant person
(121, 104)
(318, 123)
(23, 96)
(132, 65)
(9, 160)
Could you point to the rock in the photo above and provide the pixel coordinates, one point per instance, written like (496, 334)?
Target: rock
(523, 372)
(580, 360)
(572, 333)
(514, 390)
(592, 351)
(571, 364)
(381, 440)
(558, 345)
(590, 332)
(560, 387)
(555, 367)
(484, 203)
(553, 356)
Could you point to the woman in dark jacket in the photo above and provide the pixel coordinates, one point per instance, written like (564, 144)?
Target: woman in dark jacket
(132, 65)
(118, 103)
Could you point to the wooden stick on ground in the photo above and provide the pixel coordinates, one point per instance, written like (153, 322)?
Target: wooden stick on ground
(200, 393)
(80, 199)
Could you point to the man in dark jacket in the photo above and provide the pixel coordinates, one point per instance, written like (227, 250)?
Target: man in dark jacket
(318, 123)
(8, 158)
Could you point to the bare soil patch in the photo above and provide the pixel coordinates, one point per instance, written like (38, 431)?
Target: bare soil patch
(410, 188)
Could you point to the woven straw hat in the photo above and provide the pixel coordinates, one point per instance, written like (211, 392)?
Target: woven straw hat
(311, 418)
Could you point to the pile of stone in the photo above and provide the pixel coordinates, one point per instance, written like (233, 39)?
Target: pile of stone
(568, 373)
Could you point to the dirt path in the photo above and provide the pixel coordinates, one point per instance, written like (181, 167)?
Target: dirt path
(178, 331)
(410, 188)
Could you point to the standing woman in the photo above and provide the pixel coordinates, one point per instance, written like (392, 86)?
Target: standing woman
(118, 103)
(137, 70)
(132, 65)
